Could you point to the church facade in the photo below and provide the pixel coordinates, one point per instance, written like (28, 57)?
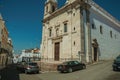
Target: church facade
(79, 30)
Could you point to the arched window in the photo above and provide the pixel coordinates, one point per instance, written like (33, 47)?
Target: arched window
(53, 8)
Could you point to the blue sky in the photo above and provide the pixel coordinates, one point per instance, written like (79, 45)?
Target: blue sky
(23, 19)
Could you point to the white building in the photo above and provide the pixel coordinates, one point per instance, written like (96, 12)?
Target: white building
(30, 55)
(80, 30)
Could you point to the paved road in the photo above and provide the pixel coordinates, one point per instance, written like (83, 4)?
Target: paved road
(101, 71)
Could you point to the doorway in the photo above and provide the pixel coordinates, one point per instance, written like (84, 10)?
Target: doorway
(95, 54)
(57, 51)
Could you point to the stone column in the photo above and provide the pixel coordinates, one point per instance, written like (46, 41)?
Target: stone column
(82, 32)
(88, 37)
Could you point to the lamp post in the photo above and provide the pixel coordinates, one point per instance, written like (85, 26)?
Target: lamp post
(79, 55)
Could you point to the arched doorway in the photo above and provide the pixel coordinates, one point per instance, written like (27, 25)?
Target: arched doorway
(95, 50)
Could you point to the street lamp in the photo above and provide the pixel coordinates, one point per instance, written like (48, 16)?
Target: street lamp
(79, 55)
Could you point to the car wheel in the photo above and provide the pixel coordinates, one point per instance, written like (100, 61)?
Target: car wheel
(70, 70)
(37, 72)
(61, 71)
(114, 69)
(84, 67)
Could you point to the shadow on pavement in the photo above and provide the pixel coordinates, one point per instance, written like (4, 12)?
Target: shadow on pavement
(9, 73)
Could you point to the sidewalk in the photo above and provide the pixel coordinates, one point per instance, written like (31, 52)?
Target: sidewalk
(89, 64)
(99, 62)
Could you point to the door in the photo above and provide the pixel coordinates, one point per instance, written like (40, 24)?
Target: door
(57, 51)
(95, 54)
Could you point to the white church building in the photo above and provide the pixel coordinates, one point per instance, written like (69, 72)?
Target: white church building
(79, 30)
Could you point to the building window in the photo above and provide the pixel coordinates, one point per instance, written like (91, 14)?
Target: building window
(50, 32)
(101, 29)
(73, 14)
(46, 8)
(74, 43)
(93, 26)
(74, 28)
(111, 34)
(65, 27)
(53, 8)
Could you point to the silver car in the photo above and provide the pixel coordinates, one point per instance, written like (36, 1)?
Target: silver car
(31, 67)
(28, 67)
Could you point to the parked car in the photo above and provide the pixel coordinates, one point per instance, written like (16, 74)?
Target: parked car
(20, 65)
(116, 64)
(28, 67)
(70, 66)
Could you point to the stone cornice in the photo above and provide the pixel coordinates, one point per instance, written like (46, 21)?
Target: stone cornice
(77, 2)
(63, 9)
(107, 15)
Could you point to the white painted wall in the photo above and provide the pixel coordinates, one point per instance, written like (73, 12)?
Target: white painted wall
(109, 47)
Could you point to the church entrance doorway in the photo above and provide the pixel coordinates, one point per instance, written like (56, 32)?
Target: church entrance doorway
(57, 51)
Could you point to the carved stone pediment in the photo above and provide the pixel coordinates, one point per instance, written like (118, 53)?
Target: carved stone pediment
(95, 43)
(57, 39)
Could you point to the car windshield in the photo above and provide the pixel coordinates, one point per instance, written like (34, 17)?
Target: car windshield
(117, 59)
(33, 64)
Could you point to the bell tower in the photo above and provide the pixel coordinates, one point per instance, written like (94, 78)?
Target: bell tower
(50, 7)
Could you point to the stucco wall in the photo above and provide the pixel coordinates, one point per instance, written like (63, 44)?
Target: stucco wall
(109, 47)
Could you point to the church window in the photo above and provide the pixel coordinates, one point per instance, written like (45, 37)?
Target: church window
(65, 27)
(111, 34)
(74, 43)
(74, 28)
(46, 8)
(93, 26)
(50, 32)
(73, 14)
(101, 29)
(53, 8)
